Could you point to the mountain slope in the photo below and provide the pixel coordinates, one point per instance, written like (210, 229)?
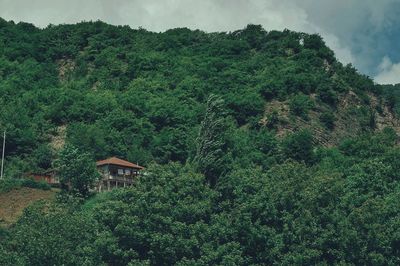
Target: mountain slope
(267, 150)
(140, 95)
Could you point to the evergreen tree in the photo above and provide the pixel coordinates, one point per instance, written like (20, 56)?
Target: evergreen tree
(210, 141)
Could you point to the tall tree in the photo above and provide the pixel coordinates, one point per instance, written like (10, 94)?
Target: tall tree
(76, 170)
(210, 141)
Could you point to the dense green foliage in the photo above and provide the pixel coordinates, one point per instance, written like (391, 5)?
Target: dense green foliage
(54, 235)
(300, 105)
(391, 94)
(10, 184)
(141, 95)
(328, 119)
(76, 170)
(342, 210)
(221, 187)
(299, 146)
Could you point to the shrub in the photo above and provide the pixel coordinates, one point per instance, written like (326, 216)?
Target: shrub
(272, 119)
(34, 184)
(328, 97)
(245, 106)
(299, 146)
(326, 94)
(328, 119)
(270, 90)
(9, 184)
(300, 105)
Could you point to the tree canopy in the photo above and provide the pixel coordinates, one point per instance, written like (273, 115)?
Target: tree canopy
(260, 148)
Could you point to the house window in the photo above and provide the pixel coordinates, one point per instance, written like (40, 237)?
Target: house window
(120, 171)
(127, 172)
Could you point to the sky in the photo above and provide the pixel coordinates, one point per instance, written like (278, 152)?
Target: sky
(364, 33)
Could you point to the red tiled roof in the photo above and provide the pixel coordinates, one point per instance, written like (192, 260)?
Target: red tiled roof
(120, 162)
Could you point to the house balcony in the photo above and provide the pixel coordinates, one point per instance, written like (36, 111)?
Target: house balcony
(120, 178)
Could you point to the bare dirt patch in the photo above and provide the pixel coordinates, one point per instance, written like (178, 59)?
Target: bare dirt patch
(13, 203)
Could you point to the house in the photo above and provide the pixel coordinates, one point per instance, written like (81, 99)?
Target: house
(116, 173)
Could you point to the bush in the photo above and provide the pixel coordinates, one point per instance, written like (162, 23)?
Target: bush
(34, 184)
(9, 184)
(299, 146)
(246, 105)
(328, 119)
(271, 90)
(273, 119)
(300, 105)
(326, 94)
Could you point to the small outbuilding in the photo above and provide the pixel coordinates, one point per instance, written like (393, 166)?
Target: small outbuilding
(48, 176)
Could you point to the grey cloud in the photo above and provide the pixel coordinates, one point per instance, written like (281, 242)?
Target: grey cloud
(389, 72)
(362, 25)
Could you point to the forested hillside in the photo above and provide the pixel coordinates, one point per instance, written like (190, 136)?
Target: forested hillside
(141, 95)
(260, 147)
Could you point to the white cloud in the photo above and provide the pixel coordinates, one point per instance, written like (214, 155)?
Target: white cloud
(343, 53)
(389, 73)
